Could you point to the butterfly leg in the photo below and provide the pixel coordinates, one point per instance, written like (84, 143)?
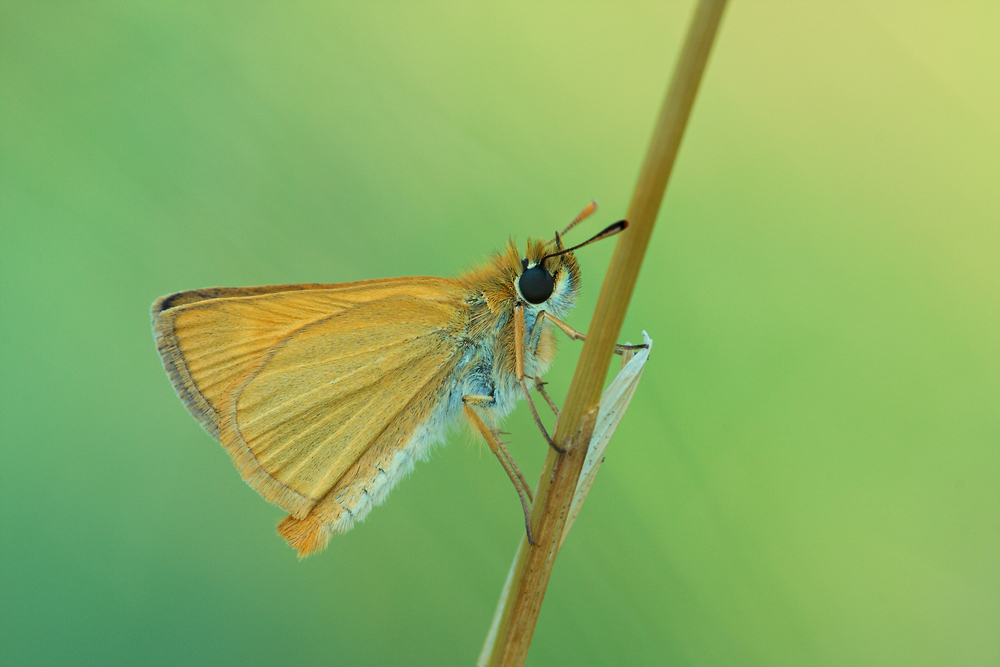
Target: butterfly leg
(576, 335)
(493, 437)
(540, 386)
(506, 460)
(519, 370)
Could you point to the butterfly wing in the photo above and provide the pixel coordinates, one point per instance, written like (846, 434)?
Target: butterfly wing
(314, 390)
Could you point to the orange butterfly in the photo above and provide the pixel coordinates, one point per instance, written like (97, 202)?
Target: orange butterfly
(325, 395)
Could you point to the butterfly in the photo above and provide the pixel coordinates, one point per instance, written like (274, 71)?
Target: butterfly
(325, 395)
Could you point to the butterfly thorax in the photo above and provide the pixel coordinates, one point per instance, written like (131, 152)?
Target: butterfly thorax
(489, 363)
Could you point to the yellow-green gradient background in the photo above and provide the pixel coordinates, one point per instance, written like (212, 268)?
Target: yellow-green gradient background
(810, 471)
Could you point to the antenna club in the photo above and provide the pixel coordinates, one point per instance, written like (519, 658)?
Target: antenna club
(587, 211)
(608, 231)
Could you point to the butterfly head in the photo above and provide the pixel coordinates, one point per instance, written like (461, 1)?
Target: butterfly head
(545, 277)
(548, 277)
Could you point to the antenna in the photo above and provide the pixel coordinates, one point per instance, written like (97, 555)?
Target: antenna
(611, 230)
(584, 214)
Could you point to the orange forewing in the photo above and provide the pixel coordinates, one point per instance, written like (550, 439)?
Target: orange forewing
(311, 387)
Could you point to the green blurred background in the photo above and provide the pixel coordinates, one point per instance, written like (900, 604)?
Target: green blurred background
(809, 473)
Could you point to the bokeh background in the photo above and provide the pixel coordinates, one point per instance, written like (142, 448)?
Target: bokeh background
(809, 473)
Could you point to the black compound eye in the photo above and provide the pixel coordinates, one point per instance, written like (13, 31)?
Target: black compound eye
(536, 284)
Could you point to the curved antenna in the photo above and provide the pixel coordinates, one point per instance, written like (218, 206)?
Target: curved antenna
(608, 231)
(584, 214)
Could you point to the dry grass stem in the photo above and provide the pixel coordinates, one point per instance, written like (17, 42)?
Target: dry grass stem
(561, 473)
